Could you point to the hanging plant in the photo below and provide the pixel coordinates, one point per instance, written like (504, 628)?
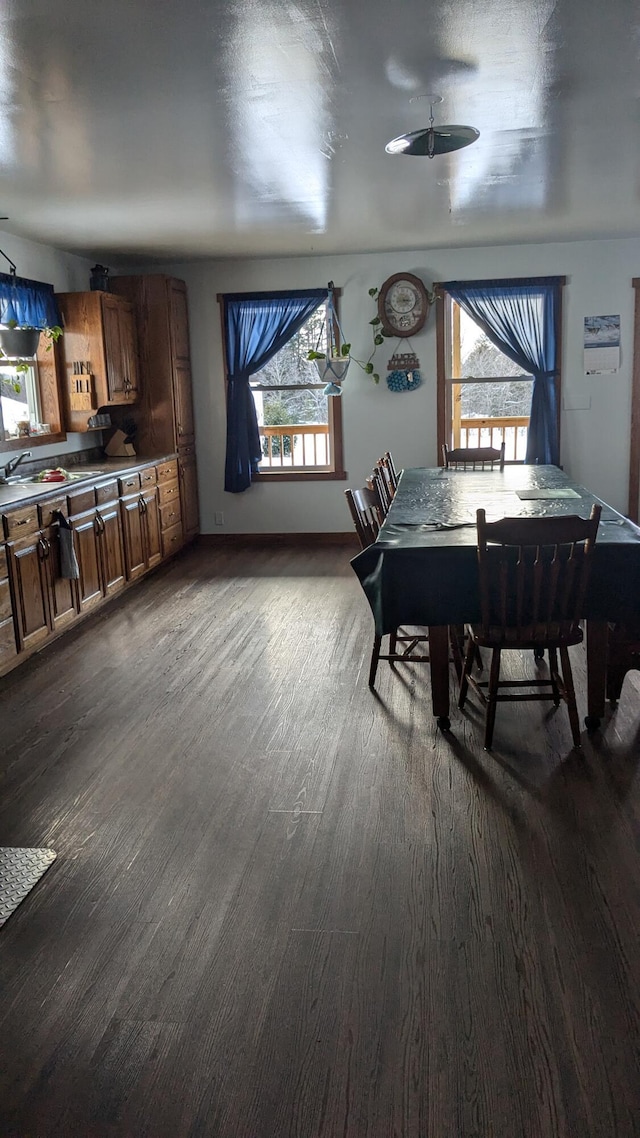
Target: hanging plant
(333, 365)
(21, 342)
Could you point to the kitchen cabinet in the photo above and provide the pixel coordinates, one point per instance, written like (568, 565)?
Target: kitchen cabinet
(99, 547)
(166, 419)
(8, 648)
(123, 527)
(189, 493)
(44, 600)
(100, 348)
(141, 524)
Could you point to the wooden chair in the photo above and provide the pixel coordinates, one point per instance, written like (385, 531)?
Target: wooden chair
(365, 513)
(379, 486)
(403, 646)
(462, 457)
(390, 468)
(533, 575)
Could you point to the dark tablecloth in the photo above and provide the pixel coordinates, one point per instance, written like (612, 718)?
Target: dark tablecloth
(423, 567)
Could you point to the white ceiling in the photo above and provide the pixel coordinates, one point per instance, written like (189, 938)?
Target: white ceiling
(257, 127)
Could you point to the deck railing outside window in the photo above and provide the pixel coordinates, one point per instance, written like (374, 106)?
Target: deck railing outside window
(302, 446)
(512, 430)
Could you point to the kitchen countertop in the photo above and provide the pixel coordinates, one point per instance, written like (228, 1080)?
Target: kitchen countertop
(19, 493)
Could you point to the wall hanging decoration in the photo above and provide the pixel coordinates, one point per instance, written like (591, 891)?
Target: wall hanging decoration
(403, 305)
(404, 372)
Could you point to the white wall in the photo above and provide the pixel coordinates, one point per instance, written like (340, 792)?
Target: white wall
(66, 273)
(595, 442)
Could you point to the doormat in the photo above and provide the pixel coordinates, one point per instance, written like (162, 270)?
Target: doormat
(20, 870)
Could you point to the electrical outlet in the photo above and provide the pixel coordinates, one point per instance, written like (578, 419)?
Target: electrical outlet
(219, 518)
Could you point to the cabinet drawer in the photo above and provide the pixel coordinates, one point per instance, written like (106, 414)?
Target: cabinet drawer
(46, 510)
(4, 572)
(170, 514)
(129, 484)
(108, 492)
(21, 522)
(5, 601)
(148, 476)
(168, 471)
(171, 540)
(169, 492)
(7, 641)
(82, 501)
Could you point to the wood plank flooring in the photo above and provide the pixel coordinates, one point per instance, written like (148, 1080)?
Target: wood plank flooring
(283, 906)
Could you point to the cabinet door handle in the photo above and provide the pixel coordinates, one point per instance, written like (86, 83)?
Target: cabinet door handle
(47, 547)
(142, 506)
(41, 549)
(99, 522)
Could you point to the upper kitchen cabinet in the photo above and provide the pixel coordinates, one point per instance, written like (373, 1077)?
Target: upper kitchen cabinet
(100, 353)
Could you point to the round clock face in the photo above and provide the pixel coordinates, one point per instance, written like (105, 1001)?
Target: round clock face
(403, 305)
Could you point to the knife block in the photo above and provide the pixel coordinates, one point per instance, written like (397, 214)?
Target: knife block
(118, 447)
(82, 393)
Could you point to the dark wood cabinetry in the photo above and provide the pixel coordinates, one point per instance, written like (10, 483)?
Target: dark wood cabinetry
(166, 420)
(100, 338)
(44, 600)
(122, 527)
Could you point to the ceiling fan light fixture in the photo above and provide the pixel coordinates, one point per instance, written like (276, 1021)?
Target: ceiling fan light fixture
(431, 140)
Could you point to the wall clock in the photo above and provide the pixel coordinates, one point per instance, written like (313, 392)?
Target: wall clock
(403, 305)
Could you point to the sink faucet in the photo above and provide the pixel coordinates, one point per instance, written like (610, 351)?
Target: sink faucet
(13, 463)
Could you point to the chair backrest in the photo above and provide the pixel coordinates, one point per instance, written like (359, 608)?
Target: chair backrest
(365, 514)
(379, 485)
(472, 457)
(534, 574)
(390, 467)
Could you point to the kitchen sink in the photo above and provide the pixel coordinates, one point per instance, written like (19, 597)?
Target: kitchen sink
(31, 480)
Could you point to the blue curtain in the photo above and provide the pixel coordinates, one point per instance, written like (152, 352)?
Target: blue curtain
(256, 326)
(30, 303)
(522, 319)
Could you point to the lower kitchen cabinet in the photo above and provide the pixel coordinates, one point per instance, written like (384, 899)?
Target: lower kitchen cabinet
(188, 473)
(111, 546)
(8, 647)
(97, 536)
(44, 601)
(141, 524)
(118, 534)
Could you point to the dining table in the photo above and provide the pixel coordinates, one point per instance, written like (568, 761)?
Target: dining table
(423, 568)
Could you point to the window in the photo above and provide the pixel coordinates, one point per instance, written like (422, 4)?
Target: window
(300, 427)
(485, 398)
(488, 396)
(19, 402)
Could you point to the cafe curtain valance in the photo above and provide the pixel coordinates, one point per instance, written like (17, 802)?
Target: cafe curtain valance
(32, 304)
(522, 318)
(256, 326)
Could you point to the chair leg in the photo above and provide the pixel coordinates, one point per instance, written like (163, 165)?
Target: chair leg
(466, 668)
(553, 673)
(570, 695)
(492, 704)
(375, 656)
(393, 643)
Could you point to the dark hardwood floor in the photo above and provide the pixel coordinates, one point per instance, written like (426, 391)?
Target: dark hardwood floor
(283, 906)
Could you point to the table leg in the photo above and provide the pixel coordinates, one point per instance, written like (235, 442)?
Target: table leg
(596, 671)
(439, 666)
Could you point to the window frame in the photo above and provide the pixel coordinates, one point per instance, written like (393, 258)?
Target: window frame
(442, 423)
(336, 434)
(48, 371)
